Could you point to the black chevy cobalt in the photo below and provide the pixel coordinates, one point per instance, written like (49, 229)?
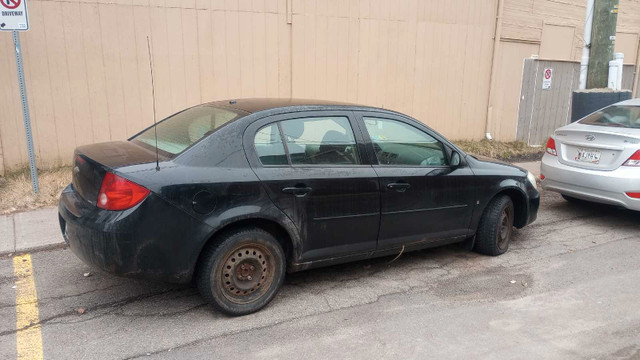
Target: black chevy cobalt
(233, 194)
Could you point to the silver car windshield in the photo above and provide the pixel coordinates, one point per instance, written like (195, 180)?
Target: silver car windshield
(178, 132)
(615, 116)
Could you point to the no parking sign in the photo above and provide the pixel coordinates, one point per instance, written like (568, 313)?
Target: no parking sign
(13, 15)
(547, 76)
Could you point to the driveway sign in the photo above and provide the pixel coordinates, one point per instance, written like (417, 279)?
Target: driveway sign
(13, 15)
(546, 79)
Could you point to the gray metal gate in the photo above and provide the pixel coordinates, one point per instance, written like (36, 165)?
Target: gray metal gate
(541, 111)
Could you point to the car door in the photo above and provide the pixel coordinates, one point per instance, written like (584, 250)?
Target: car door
(423, 198)
(312, 168)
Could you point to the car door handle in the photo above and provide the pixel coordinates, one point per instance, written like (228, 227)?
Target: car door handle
(297, 191)
(400, 187)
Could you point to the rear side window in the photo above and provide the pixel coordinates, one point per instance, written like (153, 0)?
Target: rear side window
(397, 143)
(615, 116)
(322, 140)
(178, 132)
(269, 147)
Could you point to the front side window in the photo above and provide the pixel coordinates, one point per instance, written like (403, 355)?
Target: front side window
(184, 129)
(615, 116)
(269, 147)
(397, 143)
(322, 140)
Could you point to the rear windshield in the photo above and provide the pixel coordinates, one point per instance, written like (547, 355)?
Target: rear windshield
(178, 132)
(615, 116)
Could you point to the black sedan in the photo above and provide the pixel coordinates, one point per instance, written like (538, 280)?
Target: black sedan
(233, 194)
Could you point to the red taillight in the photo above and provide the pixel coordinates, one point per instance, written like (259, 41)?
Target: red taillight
(542, 177)
(635, 195)
(117, 193)
(634, 160)
(551, 147)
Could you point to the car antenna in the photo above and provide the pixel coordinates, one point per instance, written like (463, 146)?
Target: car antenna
(153, 98)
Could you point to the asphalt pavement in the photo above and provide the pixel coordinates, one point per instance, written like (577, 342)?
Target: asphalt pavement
(569, 288)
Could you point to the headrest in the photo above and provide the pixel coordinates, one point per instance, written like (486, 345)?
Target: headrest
(333, 137)
(293, 129)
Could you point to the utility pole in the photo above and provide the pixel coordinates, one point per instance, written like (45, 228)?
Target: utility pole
(603, 39)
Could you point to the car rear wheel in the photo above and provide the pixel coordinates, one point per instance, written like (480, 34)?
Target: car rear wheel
(496, 227)
(241, 272)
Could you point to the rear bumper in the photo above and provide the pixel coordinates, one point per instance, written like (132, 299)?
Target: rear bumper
(152, 240)
(607, 187)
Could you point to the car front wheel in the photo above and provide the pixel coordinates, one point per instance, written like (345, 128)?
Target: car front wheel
(242, 271)
(496, 227)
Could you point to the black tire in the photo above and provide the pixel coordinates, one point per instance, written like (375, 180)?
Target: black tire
(242, 271)
(496, 227)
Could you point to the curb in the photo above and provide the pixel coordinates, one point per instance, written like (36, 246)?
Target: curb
(36, 249)
(31, 230)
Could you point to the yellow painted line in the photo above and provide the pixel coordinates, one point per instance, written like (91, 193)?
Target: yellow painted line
(29, 339)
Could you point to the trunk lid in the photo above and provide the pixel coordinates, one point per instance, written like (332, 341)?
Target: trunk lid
(595, 147)
(91, 162)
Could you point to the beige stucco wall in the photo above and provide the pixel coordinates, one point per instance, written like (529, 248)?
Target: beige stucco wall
(88, 79)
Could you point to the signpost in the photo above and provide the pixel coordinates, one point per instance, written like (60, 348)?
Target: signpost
(13, 17)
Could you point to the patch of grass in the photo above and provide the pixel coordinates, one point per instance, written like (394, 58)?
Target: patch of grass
(507, 151)
(16, 193)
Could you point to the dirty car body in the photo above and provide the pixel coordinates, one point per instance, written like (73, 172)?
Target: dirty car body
(323, 178)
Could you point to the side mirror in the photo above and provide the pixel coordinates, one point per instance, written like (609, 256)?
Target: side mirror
(455, 159)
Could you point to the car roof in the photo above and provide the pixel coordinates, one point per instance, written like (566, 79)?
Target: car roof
(631, 102)
(260, 104)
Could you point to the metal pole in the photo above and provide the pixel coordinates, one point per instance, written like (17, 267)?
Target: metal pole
(584, 62)
(497, 35)
(25, 114)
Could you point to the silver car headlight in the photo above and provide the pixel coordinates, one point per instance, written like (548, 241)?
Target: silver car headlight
(532, 180)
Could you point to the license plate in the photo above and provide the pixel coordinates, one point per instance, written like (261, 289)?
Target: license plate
(588, 155)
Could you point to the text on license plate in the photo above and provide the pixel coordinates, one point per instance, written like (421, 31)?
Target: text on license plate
(588, 155)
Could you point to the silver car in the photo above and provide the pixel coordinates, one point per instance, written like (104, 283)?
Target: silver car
(597, 158)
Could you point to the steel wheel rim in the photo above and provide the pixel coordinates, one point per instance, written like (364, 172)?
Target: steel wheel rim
(505, 226)
(247, 273)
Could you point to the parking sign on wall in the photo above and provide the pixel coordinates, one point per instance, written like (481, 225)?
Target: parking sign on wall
(13, 15)
(547, 76)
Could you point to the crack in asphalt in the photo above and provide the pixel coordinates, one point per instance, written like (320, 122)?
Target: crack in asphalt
(409, 290)
(267, 326)
(115, 311)
(61, 297)
(6, 305)
(165, 314)
(117, 304)
(573, 252)
(424, 287)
